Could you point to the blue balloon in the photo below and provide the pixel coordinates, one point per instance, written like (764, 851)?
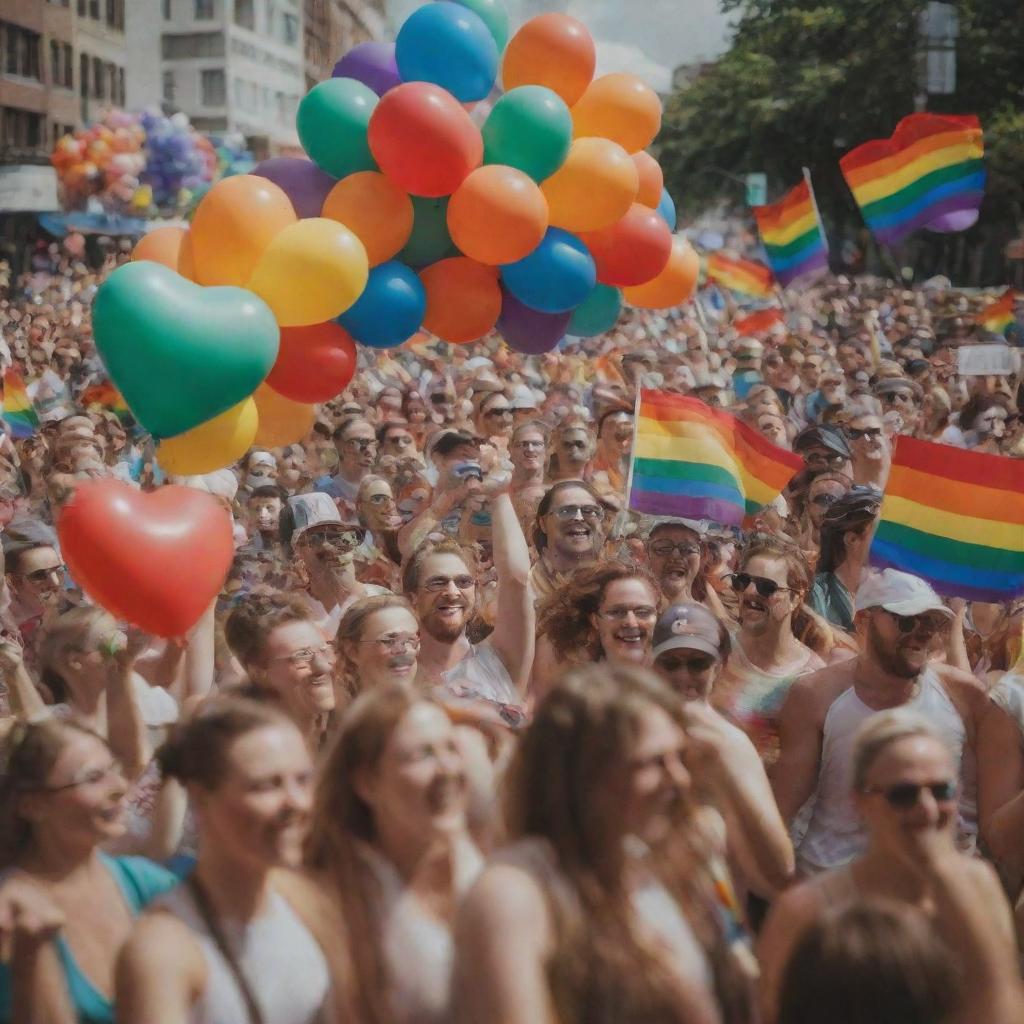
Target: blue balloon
(667, 209)
(391, 308)
(557, 276)
(451, 46)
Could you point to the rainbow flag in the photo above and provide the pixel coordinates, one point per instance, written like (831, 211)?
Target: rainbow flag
(761, 321)
(792, 234)
(18, 411)
(928, 174)
(999, 315)
(955, 518)
(743, 276)
(695, 462)
(106, 396)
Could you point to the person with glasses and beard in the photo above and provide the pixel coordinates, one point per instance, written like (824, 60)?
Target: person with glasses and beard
(902, 781)
(901, 624)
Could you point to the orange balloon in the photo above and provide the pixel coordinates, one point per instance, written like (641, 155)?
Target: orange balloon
(674, 285)
(652, 179)
(233, 224)
(162, 245)
(497, 215)
(375, 210)
(595, 186)
(619, 107)
(552, 50)
(463, 299)
(186, 259)
(282, 421)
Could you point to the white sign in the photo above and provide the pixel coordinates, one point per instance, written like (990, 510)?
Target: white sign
(28, 188)
(987, 360)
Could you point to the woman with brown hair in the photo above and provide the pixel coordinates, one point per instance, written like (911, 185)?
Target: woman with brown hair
(605, 612)
(390, 843)
(378, 641)
(603, 908)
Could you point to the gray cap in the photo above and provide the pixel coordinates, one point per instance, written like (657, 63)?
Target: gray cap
(688, 627)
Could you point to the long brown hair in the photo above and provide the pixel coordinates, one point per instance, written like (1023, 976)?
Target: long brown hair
(350, 632)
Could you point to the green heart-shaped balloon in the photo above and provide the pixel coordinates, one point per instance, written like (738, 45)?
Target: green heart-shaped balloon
(181, 353)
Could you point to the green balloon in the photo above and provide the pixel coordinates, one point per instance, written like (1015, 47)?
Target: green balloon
(493, 15)
(180, 353)
(429, 241)
(332, 121)
(530, 128)
(597, 313)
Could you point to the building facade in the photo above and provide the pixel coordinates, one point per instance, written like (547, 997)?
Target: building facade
(333, 27)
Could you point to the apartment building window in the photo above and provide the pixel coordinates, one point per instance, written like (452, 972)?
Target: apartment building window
(121, 94)
(83, 75)
(69, 69)
(20, 49)
(290, 24)
(20, 129)
(245, 14)
(203, 10)
(213, 87)
(81, 8)
(166, 8)
(97, 79)
(55, 74)
(168, 87)
(94, 9)
(188, 45)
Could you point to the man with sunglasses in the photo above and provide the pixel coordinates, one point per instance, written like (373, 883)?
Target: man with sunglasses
(903, 397)
(901, 624)
(35, 575)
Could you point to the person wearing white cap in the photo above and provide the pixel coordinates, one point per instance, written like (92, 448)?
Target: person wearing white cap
(900, 622)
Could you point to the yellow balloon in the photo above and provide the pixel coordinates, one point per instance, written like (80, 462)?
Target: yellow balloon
(212, 445)
(312, 270)
(282, 421)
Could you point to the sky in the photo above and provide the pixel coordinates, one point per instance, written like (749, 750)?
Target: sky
(646, 37)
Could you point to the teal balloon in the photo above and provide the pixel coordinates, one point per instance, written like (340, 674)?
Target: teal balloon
(493, 14)
(599, 312)
(667, 209)
(430, 240)
(530, 128)
(332, 121)
(178, 352)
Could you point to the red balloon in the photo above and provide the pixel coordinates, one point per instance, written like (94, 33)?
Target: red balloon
(423, 139)
(314, 363)
(631, 251)
(154, 559)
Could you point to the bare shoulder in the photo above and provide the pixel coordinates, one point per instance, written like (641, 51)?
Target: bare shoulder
(816, 691)
(960, 682)
(510, 899)
(161, 942)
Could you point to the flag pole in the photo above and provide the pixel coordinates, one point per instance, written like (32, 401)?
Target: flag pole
(817, 211)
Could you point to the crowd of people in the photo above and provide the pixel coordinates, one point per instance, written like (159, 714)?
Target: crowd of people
(463, 738)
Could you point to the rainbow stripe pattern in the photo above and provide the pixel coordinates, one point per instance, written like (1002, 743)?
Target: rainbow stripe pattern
(997, 316)
(929, 174)
(106, 396)
(793, 237)
(695, 462)
(761, 321)
(744, 276)
(18, 411)
(955, 518)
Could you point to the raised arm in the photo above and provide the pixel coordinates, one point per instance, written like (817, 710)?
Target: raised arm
(795, 775)
(126, 731)
(21, 691)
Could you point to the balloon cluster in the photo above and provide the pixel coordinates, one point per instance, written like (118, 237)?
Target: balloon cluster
(102, 161)
(539, 218)
(179, 160)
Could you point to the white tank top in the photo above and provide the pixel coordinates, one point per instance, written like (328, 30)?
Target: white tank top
(835, 833)
(281, 962)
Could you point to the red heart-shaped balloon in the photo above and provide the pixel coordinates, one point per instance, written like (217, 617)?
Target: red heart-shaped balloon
(153, 559)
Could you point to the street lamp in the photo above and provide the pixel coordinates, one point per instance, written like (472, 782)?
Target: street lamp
(938, 27)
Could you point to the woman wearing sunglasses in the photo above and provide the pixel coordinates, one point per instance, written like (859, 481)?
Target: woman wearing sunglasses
(904, 787)
(769, 650)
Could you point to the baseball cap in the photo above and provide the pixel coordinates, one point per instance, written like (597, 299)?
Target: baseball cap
(899, 593)
(747, 348)
(689, 627)
(523, 398)
(822, 436)
(889, 384)
(313, 509)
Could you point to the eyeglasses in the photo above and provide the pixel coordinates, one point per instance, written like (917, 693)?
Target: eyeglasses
(379, 499)
(304, 658)
(739, 581)
(503, 411)
(665, 548)
(45, 575)
(905, 795)
(897, 397)
(362, 443)
(926, 624)
(833, 459)
(395, 643)
(824, 500)
(527, 445)
(871, 433)
(442, 399)
(592, 512)
(644, 613)
(88, 777)
(349, 539)
(697, 664)
(438, 583)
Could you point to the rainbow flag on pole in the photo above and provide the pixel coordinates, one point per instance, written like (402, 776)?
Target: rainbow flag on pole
(929, 174)
(695, 462)
(792, 234)
(999, 315)
(955, 518)
(106, 396)
(744, 276)
(761, 321)
(18, 411)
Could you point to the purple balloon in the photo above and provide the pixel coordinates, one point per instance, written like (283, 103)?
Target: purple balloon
(373, 64)
(955, 220)
(528, 330)
(301, 180)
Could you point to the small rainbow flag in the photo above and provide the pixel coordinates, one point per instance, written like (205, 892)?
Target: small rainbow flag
(999, 315)
(955, 518)
(792, 234)
(740, 275)
(928, 174)
(106, 396)
(18, 411)
(695, 462)
(761, 321)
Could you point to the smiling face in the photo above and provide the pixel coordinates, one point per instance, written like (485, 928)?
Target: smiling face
(446, 596)
(387, 649)
(574, 525)
(674, 556)
(865, 438)
(903, 652)
(39, 579)
(759, 614)
(297, 663)
(377, 508)
(265, 514)
(529, 451)
(625, 621)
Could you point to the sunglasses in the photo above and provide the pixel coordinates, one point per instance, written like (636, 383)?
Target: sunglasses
(824, 500)
(695, 665)
(740, 581)
(504, 411)
(894, 397)
(442, 399)
(871, 433)
(905, 795)
(927, 624)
